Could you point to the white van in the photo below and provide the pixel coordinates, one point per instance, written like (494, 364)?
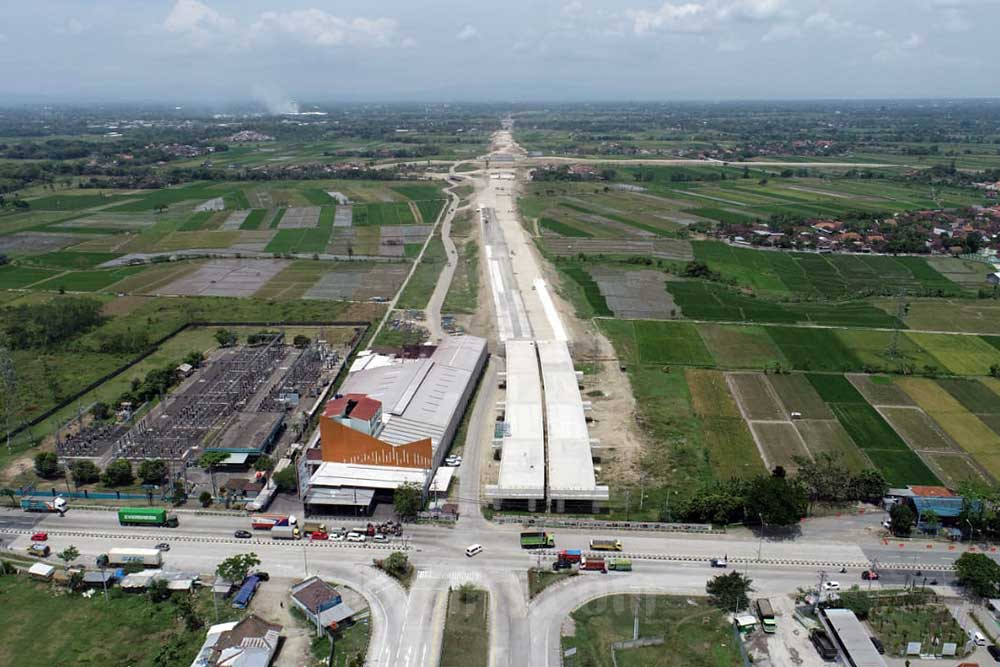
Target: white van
(473, 549)
(979, 639)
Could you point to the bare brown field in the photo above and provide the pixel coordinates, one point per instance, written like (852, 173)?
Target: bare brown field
(780, 442)
(754, 394)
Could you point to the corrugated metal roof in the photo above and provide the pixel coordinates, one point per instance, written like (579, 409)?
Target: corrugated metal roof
(943, 507)
(854, 638)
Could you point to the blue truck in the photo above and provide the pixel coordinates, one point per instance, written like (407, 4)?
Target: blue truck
(246, 592)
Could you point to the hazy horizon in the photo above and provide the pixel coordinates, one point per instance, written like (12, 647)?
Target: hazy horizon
(222, 52)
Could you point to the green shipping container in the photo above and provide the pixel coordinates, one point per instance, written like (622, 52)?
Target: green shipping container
(145, 516)
(620, 564)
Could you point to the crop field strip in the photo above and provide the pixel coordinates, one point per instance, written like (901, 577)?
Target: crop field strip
(970, 433)
(871, 432)
(728, 444)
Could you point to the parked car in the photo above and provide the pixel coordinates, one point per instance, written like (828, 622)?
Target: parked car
(319, 535)
(355, 537)
(379, 537)
(994, 651)
(243, 534)
(163, 546)
(40, 550)
(40, 537)
(337, 537)
(831, 585)
(877, 643)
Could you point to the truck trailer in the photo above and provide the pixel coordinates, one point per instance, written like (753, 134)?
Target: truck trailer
(766, 614)
(536, 540)
(146, 516)
(285, 533)
(593, 565)
(605, 545)
(147, 557)
(57, 504)
(269, 521)
(619, 564)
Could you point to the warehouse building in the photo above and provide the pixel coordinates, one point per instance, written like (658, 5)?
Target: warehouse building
(392, 423)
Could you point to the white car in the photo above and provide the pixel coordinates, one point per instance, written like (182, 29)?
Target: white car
(336, 537)
(831, 585)
(355, 537)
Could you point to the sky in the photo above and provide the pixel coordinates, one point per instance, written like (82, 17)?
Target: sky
(327, 51)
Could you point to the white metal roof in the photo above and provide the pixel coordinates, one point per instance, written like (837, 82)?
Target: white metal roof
(377, 477)
(854, 638)
(571, 468)
(522, 462)
(421, 397)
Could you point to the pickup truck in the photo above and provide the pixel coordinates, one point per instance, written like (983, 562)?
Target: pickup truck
(718, 562)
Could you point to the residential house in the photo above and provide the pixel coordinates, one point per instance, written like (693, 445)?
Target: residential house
(251, 642)
(321, 603)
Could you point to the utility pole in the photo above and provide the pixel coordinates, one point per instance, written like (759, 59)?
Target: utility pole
(760, 544)
(642, 495)
(626, 503)
(819, 592)
(902, 310)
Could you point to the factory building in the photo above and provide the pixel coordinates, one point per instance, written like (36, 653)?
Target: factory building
(392, 422)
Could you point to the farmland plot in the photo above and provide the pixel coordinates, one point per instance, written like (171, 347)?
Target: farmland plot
(634, 294)
(730, 448)
(828, 436)
(735, 346)
(780, 443)
(879, 390)
(755, 396)
(797, 395)
(969, 356)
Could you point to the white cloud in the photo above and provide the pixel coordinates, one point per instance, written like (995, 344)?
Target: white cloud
(781, 32)
(466, 33)
(572, 9)
(732, 45)
(704, 15)
(893, 48)
(955, 21)
(827, 23)
(198, 21)
(319, 28)
(688, 17)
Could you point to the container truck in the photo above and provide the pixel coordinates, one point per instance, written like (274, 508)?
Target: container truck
(269, 521)
(766, 614)
(57, 504)
(147, 557)
(146, 516)
(605, 545)
(535, 540)
(285, 533)
(593, 565)
(619, 564)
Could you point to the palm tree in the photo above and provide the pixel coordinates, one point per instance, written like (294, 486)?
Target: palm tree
(209, 461)
(9, 492)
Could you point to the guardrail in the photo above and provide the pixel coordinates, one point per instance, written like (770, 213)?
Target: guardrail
(596, 524)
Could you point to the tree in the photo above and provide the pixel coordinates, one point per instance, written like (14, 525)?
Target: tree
(205, 498)
(10, 494)
(264, 464)
(729, 591)
(47, 465)
(84, 472)
(235, 568)
(857, 601)
(118, 473)
(69, 554)
(397, 564)
(930, 519)
(301, 341)
(285, 479)
(407, 499)
(195, 359)
(226, 338)
(979, 573)
(210, 461)
(158, 591)
(901, 519)
(468, 593)
(187, 610)
(101, 411)
(778, 500)
(153, 471)
(179, 495)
